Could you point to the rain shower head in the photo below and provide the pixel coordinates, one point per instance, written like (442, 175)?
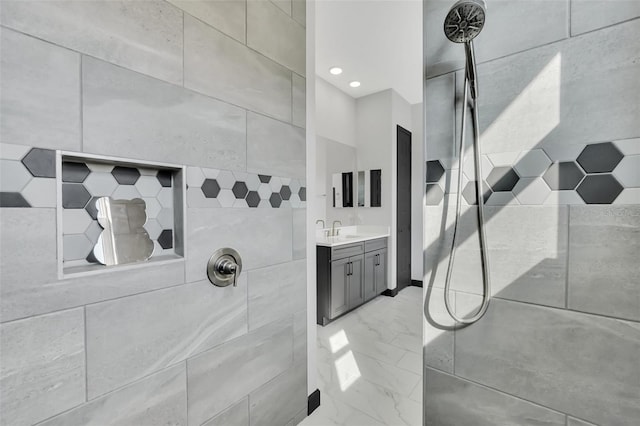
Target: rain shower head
(465, 20)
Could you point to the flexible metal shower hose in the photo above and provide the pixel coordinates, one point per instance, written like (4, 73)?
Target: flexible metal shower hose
(480, 201)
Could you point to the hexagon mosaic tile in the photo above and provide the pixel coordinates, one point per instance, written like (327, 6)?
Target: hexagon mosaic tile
(574, 174)
(222, 188)
(85, 182)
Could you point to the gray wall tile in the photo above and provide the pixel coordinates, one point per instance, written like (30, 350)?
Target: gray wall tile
(589, 15)
(440, 118)
(157, 399)
(299, 11)
(528, 253)
(128, 114)
(228, 16)
(276, 35)
(40, 103)
(236, 415)
(451, 401)
(604, 242)
(548, 22)
(300, 336)
(576, 422)
(276, 292)
(437, 331)
(278, 401)
(274, 147)
(43, 371)
(219, 377)
(551, 356)
(132, 337)
(555, 109)
(28, 238)
(299, 233)
(299, 101)
(108, 30)
(261, 236)
(239, 72)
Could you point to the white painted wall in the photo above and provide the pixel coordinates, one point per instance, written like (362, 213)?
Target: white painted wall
(417, 191)
(312, 348)
(335, 113)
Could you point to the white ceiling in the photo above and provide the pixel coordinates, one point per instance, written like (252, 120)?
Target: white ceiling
(377, 42)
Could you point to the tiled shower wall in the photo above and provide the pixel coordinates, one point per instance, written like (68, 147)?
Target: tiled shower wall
(220, 88)
(560, 136)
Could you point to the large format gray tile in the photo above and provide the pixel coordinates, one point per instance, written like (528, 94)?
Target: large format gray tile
(451, 401)
(299, 233)
(262, 237)
(589, 15)
(300, 336)
(28, 239)
(437, 331)
(130, 115)
(236, 415)
(227, 16)
(604, 242)
(157, 399)
(40, 102)
(274, 147)
(219, 66)
(276, 292)
(109, 30)
(132, 337)
(276, 35)
(221, 376)
(299, 101)
(278, 401)
(579, 364)
(43, 371)
(538, 98)
(577, 422)
(440, 118)
(528, 253)
(503, 33)
(299, 11)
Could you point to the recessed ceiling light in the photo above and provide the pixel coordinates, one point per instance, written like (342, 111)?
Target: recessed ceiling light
(354, 84)
(335, 70)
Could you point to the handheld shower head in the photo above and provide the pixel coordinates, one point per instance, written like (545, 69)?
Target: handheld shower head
(463, 23)
(465, 20)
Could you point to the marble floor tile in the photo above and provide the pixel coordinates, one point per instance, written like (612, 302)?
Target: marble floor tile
(370, 365)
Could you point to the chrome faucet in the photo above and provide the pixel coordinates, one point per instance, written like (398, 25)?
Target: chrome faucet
(333, 228)
(319, 221)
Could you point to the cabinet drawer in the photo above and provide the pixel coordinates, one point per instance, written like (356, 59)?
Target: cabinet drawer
(347, 251)
(375, 244)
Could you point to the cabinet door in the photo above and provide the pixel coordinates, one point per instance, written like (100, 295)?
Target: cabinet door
(381, 271)
(339, 288)
(356, 281)
(370, 260)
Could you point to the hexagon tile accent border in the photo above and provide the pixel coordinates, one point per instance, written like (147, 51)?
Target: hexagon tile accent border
(597, 173)
(223, 188)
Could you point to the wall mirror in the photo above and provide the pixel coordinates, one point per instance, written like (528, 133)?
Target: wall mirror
(342, 189)
(375, 185)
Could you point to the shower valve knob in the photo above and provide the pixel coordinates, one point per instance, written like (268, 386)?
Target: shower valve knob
(224, 267)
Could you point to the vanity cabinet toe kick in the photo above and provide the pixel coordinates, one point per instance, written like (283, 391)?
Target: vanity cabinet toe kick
(348, 276)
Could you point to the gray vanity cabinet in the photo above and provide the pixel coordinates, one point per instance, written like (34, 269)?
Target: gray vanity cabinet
(347, 277)
(375, 273)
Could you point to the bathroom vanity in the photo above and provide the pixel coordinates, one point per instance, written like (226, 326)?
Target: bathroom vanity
(351, 269)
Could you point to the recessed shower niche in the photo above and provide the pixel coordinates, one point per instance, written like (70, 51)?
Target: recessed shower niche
(114, 213)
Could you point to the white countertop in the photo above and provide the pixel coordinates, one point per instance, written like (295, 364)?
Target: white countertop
(350, 235)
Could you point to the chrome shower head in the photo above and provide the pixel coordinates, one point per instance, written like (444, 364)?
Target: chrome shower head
(465, 20)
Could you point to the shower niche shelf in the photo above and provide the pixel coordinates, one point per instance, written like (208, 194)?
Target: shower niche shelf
(141, 206)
